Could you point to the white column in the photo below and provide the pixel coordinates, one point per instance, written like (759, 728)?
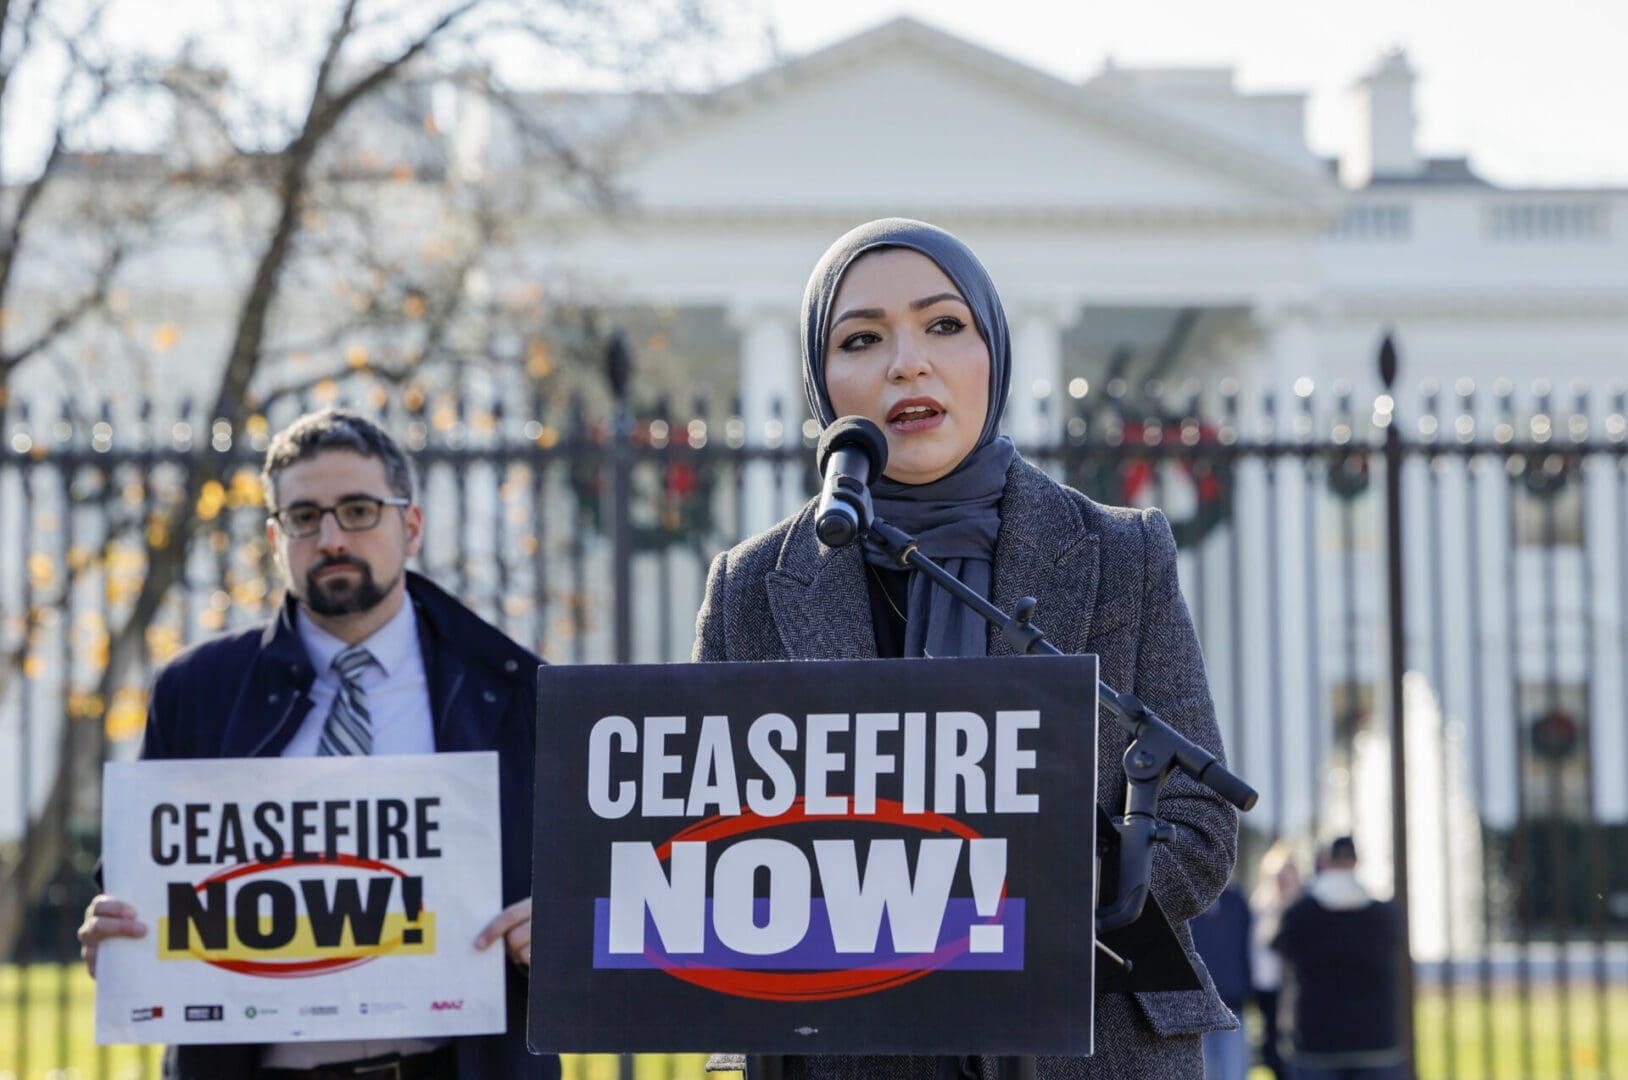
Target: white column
(771, 408)
(1289, 347)
(1608, 679)
(1270, 503)
(1034, 409)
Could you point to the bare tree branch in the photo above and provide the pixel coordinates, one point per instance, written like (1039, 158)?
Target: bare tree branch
(330, 57)
(25, 30)
(91, 300)
(12, 234)
(27, 199)
(332, 112)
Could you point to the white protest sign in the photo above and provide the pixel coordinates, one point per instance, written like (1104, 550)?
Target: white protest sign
(293, 899)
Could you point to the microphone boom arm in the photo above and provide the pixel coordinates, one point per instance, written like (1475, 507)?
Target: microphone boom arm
(1155, 751)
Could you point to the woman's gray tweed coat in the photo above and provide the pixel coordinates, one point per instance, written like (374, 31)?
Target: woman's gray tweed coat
(1106, 581)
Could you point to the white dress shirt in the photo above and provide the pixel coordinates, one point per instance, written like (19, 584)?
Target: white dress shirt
(397, 693)
(398, 705)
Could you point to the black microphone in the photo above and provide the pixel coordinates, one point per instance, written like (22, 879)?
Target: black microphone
(852, 454)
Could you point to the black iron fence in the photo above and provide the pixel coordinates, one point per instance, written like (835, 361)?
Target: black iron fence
(1414, 610)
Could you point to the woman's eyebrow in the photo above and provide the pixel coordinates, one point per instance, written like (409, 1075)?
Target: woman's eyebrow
(915, 305)
(860, 313)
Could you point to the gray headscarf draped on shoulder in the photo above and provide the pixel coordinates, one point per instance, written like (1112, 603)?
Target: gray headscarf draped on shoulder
(956, 517)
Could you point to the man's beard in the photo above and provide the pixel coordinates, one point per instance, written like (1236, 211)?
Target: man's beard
(339, 596)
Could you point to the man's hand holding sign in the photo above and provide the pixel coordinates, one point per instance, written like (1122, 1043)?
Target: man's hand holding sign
(513, 925)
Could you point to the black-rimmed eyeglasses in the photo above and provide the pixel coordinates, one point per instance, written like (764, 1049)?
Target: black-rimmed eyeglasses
(354, 513)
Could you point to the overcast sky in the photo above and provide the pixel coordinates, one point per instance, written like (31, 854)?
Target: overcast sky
(1535, 94)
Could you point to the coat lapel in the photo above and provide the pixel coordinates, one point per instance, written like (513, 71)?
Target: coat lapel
(465, 706)
(466, 715)
(819, 601)
(272, 702)
(1043, 550)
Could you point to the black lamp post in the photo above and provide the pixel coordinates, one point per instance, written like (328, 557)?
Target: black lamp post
(618, 372)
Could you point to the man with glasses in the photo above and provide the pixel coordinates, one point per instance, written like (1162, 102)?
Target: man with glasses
(365, 657)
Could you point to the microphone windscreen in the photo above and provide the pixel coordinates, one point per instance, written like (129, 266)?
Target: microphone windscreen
(854, 431)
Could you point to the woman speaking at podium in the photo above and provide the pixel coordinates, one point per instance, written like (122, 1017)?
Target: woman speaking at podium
(902, 325)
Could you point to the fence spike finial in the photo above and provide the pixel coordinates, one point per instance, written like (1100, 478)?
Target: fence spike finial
(618, 364)
(1387, 360)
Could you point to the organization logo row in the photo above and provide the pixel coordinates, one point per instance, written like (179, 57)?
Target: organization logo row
(205, 1013)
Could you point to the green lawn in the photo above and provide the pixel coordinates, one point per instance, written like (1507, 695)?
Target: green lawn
(1589, 1054)
(84, 1059)
(1539, 1037)
(44, 1042)
(1526, 1042)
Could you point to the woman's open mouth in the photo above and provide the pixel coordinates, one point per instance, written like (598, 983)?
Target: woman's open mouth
(914, 415)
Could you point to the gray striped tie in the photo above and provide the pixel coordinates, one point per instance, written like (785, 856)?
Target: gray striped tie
(348, 730)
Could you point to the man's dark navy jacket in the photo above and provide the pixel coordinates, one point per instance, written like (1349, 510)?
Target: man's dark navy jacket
(244, 695)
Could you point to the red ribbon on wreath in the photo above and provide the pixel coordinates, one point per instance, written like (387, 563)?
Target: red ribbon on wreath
(1210, 475)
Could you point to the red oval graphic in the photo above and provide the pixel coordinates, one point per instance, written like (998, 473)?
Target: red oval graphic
(811, 985)
(293, 969)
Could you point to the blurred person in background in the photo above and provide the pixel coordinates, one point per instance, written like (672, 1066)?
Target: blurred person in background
(1277, 885)
(1221, 934)
(1340, 948)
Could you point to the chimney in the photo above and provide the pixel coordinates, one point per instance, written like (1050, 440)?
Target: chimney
(198, 138)
(1385, 123)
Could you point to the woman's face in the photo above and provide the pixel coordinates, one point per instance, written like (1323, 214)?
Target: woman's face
(904, 352)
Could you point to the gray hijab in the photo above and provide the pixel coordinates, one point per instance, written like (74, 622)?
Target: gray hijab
(955, 517)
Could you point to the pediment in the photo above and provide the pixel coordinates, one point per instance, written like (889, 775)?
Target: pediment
(905, 118)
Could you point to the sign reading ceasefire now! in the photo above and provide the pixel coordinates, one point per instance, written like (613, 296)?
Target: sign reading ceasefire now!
(294, 899)
(839, 857)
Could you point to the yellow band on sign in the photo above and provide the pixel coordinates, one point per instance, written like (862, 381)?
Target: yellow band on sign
(394, 939)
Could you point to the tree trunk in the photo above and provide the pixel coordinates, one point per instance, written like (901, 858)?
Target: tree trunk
(82, 744)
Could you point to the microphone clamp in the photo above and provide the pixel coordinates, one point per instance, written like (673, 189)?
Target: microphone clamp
(845, 513)
(851, 455)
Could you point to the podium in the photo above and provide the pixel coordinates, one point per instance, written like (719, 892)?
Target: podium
(832, 857)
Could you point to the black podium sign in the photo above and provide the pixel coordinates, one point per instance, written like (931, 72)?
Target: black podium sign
(883, 856)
